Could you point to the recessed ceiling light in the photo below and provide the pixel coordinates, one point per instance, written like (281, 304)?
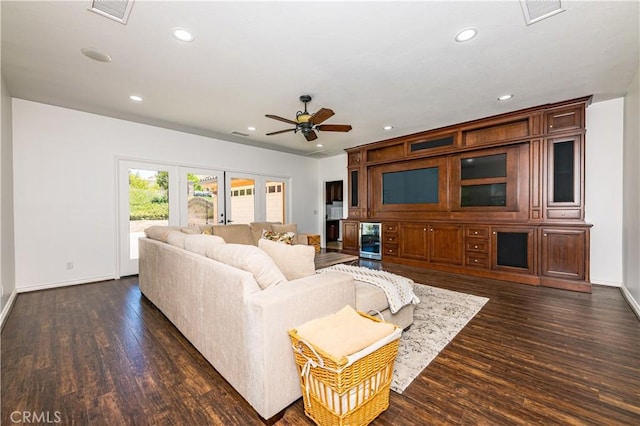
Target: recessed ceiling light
(505, 97)
(182, 34)
(251, 129)
(96, 55)
(135, 98)
(387, 127)
(466, 34)
(319, 145)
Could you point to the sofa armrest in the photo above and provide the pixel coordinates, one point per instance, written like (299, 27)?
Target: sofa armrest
(301, 239)
(272, 313)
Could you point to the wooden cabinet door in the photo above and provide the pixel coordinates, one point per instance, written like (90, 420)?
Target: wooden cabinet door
(413, 241)
(445, 244)
(564, 253)
(350, 233)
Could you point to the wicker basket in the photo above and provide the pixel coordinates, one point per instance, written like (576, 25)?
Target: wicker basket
(335, 393)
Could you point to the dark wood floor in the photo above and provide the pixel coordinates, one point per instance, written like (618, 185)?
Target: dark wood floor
(102, 354)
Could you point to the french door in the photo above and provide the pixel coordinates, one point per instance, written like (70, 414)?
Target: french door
(256, 198)
(147, 195)
(202, 196)
(161, 194)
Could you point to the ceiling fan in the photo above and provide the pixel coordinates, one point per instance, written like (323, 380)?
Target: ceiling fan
(309, 123)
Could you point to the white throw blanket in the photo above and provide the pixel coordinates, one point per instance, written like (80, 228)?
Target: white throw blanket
(399, 290)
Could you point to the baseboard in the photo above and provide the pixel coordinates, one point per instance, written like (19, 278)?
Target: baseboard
(607, 283)
(635, 307)
(37, 287)
(7, 308)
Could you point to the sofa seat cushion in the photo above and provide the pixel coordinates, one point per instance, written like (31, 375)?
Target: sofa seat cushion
(294, 261)
(251, 259)
(235, 234)
(369, 297)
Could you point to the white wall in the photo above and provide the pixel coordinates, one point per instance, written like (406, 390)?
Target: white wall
(7, 259)
(631, 209)
(603, 187)
(65, 182)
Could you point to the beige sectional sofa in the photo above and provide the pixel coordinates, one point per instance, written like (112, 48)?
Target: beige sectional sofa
(234, 303)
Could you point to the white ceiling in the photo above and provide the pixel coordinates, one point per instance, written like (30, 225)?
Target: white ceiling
(373, 63)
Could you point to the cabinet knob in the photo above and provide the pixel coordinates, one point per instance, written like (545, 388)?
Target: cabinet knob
(431, 229)
(475, 260)
(494, 232)
(544, 235)
(475, 246)
(563, 213)
(475, 233)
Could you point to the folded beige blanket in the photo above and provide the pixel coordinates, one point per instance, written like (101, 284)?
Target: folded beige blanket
(343, 333)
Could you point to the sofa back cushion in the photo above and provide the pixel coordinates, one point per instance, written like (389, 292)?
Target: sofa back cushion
(295, 261)
(251, 259)
(160, 232)
(199, 243)
(235, 234)
(177, 238)
(257, 228)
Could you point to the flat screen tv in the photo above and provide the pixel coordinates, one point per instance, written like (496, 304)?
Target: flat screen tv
(417, 186)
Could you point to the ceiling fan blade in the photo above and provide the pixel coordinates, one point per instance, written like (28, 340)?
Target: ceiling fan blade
(334, 127)
(311, 135)
(280, 131)
(321, 115)
(286, 120)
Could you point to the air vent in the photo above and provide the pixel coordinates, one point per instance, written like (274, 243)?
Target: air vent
(319, 153)
(234, 133)
(537, 10)
(118, 10)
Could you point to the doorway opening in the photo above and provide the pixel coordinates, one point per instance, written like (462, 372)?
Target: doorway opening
(334, 214)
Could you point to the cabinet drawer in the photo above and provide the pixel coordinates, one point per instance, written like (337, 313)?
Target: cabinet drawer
(390, 249)
(390, 227)
(563, 214)
(477, 245)
(354, 158)
(354, 212)
(390, 238)
(477, 260)
(565, 119)
(477, 231)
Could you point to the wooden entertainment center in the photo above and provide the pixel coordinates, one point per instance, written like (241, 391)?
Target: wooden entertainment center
(500, 197)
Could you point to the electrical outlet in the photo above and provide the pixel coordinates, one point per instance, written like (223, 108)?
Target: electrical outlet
(69, 265)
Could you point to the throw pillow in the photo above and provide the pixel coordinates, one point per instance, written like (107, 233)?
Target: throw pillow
(294, 261)
(280, 237)
(251, 259)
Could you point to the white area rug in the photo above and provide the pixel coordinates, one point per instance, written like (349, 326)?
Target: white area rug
(440, 315)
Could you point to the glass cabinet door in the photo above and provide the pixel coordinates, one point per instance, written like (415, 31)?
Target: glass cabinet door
(565, 175)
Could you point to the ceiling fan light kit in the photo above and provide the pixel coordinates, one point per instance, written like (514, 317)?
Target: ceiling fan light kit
(308, 124)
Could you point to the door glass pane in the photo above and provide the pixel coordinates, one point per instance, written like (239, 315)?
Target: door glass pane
(202, 199)
(243, 201)
(148, 203)
(275, 201)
